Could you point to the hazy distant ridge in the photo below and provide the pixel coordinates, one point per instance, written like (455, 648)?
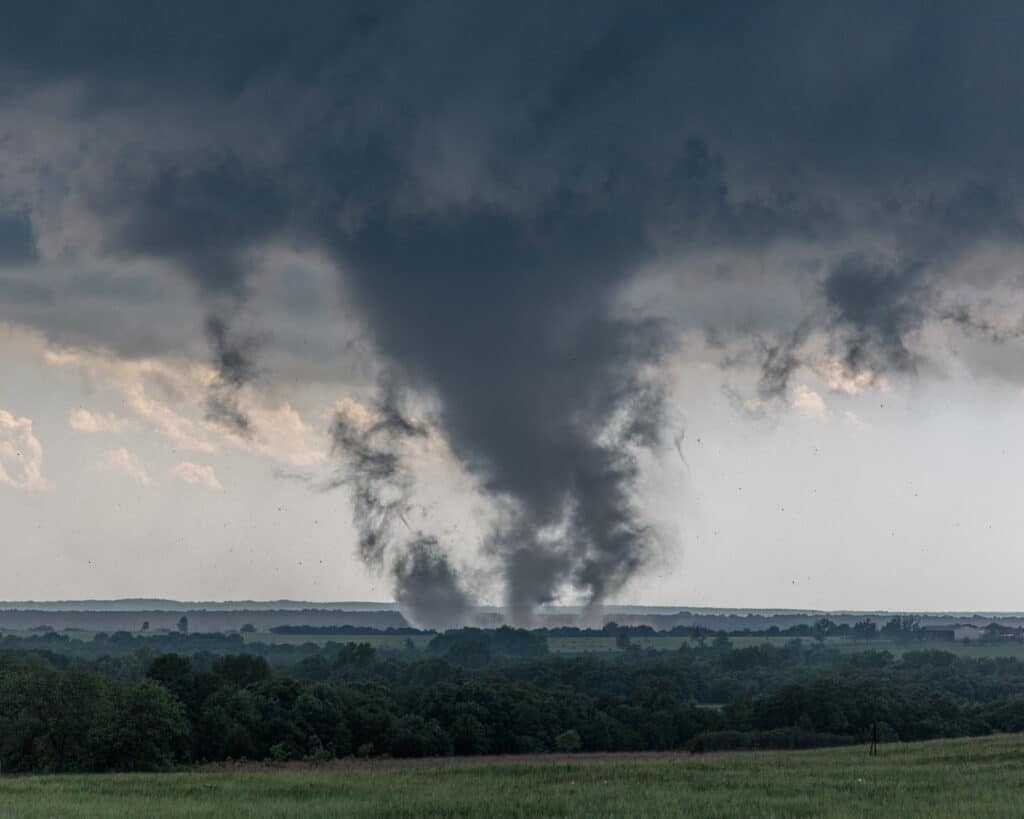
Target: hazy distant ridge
(161, 604)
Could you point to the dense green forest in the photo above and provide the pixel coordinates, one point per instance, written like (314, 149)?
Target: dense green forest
(479, 692)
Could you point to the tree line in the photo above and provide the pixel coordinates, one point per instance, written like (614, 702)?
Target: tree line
(484, 692)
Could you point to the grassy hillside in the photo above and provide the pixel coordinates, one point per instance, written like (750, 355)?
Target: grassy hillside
(951, 778)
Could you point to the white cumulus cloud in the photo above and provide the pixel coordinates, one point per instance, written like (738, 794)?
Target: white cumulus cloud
(82, 420)
(840, 378)
(198, 475)
(123, 461)
(21, 454)
(807, 402)
(167, 396)
(855, 421)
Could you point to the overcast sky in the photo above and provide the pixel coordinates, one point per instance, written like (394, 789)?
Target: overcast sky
(456, 303)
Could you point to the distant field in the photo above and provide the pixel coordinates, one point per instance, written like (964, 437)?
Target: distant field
(933, 780)
(607, 645)
(386, 641)
(581, 645)
(970, 650)
(598, 645)
(845, 645)
(84, 635)
(393, 641)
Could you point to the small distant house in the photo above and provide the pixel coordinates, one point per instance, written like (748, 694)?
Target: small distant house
(946, 634)
(952, 633)
(968, 633)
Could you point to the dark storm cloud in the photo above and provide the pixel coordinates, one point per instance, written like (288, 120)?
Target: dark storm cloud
(20, 291)
(876, 304)
(875, 307)
(778, 359)
(975, 325)
(17, 238)
(105, 287)
(235, 361)
(488, 179)
(871, 304)
(202, 218)
(811, 87)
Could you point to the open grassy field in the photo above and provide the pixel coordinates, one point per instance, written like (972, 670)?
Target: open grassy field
(950, 778)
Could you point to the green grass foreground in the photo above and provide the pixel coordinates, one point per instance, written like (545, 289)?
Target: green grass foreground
(968, 778)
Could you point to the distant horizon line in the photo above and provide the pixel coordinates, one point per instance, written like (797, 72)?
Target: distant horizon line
(198, 605)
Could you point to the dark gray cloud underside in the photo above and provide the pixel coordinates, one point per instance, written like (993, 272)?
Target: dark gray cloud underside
(17, 238)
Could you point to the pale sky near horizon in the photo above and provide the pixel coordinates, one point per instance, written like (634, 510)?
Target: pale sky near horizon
(790, 512)
(691, 306)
